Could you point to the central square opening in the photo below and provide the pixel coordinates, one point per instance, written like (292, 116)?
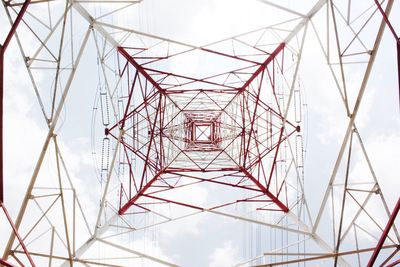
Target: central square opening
(203, 132)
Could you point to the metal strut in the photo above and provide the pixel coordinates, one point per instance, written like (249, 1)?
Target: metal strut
(384, 234)
(3, 49)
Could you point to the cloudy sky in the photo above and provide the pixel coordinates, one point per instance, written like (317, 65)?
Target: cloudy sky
(205, 239)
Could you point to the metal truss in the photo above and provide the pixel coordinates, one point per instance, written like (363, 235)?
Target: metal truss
(3, 49)
(234, 127)
(201, 131)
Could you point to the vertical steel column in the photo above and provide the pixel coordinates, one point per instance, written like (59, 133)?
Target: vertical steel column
(384, 234)
(398, 66)
(396, 37)
(3, 49)
(1, 122)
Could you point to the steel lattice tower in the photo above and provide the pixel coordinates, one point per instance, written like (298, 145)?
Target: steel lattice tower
(172, 118)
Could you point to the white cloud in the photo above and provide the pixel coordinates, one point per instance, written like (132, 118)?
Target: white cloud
(384, 153)
(25, 136)
(227, 255)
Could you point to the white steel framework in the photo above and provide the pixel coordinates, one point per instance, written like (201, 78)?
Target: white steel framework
(172, 118)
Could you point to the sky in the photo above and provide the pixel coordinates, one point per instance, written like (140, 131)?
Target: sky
(205, 239)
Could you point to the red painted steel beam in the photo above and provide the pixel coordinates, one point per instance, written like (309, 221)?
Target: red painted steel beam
(175, 202)
(386, 19)
(140, 69)
(266, 191)
(1, 122)
(253, 118)
(398, 65)
(178, 170)
(6, 264)
(129, 100)
(397, 262)
(275, 158)
(268, 150)
(396, 37)
(201, 180)
(143, 188)
(15, 24)
(132, 201)
(384, 234)
(227, 55)
(136, 110)
(21, 241)
(150, 142)
(3, 49)
(191, 79)
(263, 66)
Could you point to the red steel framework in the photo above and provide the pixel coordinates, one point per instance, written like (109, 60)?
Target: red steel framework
(209, 130)
(396, 37)
(3, 49)
(202, 134)
(381, 241)
(395, 211)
